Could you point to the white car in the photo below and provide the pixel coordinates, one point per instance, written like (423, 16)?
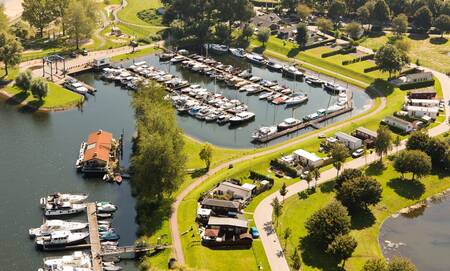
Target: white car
(358, 153)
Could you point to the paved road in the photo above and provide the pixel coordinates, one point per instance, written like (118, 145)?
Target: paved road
(263, 212)
(175, 233)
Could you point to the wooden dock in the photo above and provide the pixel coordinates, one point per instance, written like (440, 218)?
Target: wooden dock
(94, 237)
(133, 249)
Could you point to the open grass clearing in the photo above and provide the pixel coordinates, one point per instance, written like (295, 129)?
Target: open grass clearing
(397, 194)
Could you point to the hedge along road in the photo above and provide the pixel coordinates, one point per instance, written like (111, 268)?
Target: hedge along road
(263, 212)
(175, 234)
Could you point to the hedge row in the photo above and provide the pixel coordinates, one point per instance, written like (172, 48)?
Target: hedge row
(358, 59)
(290, 171)
(258, 176)
(342, 51)
(371, 69)
(318, 44)
(417, 85)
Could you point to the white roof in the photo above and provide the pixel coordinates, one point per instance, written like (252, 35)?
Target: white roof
(348, 137)
(307, 155)
(249, 186)
(424, 101)
(203, 212)
(227, 221)
(410, 108)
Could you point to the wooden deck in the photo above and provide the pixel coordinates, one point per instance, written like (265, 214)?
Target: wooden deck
(94, 237)
(133, 249)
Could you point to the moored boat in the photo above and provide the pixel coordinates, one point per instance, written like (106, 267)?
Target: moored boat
(242, 117)
(273, 66)
(63, 197)
(238, 52)
(61, 238)
(297, 99)
(264, 132)
(256, 59)
(288, 123)
(56, 225)
(64, 208)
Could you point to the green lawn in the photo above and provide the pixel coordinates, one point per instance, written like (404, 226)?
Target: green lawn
(432, 51)
(397, 194)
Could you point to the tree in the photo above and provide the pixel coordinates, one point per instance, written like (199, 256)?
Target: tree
(354, 30)
(231, 11)
(338, 154)
(400, 24)
(415, 161)
(21, 30)
(316, 175)
(423, 18)
(38, 13)
(206, 154)
(375, 265)
(23, 80)
(327, 223)
(348, 174)
(60, 8)
(263, 35)
(302, 34)
(295, 259)
(286, 234)
(79, 22)
(439, 151)
(39, 88)
(359, 193)
(283, 190)
(342, 248)
(324, 24)
(247, 31)
(381, 13)
(337, 9)
(222, 33)
(400, 264)
(289, 4)
(443, 24)
(397, 142)
(303, 11)
(418, 140)
(277, 208)
(383, 142)
(10, 50)
(390, 59)
(308, 179)
(363, 13)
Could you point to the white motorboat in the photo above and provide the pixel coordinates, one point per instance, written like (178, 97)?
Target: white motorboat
(314, 80)
(217, 48)
(256, 59)
(245, 74)
(106, 207)
(273, 66)
(335, 88)
(238, 52)
(63, 208)
(288, 123)
(334, 108)
(264, 132)
(293, 72)
(242, 117)
(177, 59)
(65, 197)
(298, 99)
(265, 95)
(56, 225)
(61, 238)
(77, 260)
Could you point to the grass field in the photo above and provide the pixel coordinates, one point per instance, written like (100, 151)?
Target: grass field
(397, 194)
(432, 51)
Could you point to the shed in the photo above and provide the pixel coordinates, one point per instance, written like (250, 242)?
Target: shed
(308, 159)
(348, 140)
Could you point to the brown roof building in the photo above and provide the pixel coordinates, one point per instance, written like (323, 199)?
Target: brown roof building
(99, 146)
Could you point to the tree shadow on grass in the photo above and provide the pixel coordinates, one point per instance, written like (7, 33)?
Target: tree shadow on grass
(410, 189)
(314, 256)
(438, 40)
(198, 172)
(18, 98)
(379, 88)
(151, 214)
(375, 169)
(259, 49)
(361, 219)
(293, 52)
(376, 34)
(327, 187)
(418, 36)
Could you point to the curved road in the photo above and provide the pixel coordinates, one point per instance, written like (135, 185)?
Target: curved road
(263, 213)
(175, 234)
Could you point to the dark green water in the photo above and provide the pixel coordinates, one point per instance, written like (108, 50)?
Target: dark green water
(424, 238)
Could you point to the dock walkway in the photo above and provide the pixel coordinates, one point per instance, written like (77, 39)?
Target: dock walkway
(94, 237)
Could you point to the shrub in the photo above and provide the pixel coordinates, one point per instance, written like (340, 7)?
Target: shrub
(23, 80)
(371, 69)
(290, 171)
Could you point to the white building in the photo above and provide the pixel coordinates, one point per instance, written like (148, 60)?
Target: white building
(403, 125)
(348, 140)
(308, 159)
(236, 192)
(424, 102)
(420, 111)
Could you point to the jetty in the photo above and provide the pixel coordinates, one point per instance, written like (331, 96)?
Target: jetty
(94, 236)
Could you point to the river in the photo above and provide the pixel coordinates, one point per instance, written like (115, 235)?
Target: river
(423, 237)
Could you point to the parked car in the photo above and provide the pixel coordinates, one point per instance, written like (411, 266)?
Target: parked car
(358, 153)
(254, 232)
(73, 54)
(84, 52)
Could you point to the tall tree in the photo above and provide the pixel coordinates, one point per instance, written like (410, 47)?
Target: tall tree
(324, 24)
(381, 13)
(286, 235)
(359, 193)
(295, 259)
(389, 59)
(342, 248)
(375, 265)
(443, 24)
(308, 179)
(364, 16)
(338, 154)
(397, 141)
(283, 190)
(400, 24)
(289, 4)
(439, 151)
(263, 35)
(23, 80)
(400, 264)
(418, 140)
(59, 9)
(415, 161)
(316, 175)
(383, 142)
(10, 50)
(277, 209)
(337, 9)
(247, 31)
(348, 174)
(79, 23)
(354, 30)
(423, 18)
(231, 11)
(206, 154)
(38, 13)
(303, 11)
(39, 88)
(327, 223)
(302, 34)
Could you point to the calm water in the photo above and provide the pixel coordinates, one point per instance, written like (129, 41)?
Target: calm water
(425, 238)
(266, 113)
(37, 157)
